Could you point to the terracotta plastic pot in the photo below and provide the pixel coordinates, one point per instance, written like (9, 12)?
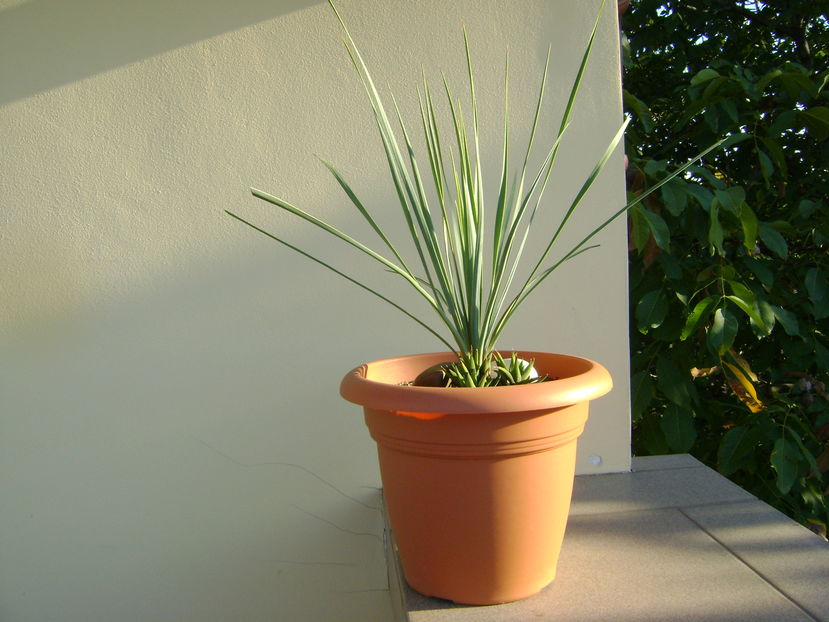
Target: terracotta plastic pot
(477, 482)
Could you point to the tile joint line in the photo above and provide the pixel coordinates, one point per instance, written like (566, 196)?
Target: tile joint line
(766, 579)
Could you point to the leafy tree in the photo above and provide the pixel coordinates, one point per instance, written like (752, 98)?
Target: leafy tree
(729, 273)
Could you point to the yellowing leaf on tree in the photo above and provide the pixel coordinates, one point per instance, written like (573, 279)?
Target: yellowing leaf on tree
(743, 365)
(743, 388)
(696, 372)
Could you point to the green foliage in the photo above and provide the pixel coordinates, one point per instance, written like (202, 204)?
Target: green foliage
(729, 273)
(466, 269)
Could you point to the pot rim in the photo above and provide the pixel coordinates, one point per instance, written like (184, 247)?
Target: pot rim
(376, 385)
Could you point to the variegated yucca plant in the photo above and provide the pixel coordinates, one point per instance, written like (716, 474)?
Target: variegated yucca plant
(466, 269)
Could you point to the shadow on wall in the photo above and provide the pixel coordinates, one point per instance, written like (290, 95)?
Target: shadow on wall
(157, 461)
(58, 42)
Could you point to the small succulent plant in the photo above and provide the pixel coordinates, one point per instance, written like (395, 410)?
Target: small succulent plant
(499, 372)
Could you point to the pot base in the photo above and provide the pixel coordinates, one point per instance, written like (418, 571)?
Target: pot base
(471, 602)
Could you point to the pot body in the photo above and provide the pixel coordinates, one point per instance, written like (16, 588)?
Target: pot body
(477, 482)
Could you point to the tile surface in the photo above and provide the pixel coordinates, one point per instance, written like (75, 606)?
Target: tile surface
(661, 463)
(649, 489)
(786, 554)
(672, 540)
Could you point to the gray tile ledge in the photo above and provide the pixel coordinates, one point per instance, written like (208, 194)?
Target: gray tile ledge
(661, 463)
(650, 489)
(672, 540)
(756, 534)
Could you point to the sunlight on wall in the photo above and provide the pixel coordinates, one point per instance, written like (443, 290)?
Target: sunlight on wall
(173, 446)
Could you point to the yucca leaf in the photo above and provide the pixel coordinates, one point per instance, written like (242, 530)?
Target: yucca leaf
(341, 235)
(565, 118)
(580, 246)
(466, 288)
(504, 286)
(440, 178)
(644, 195)
(501, 210)
(397, 167)
(349, 240)
(343, 275)
(588, 183)
(423, 217)
(358, 204)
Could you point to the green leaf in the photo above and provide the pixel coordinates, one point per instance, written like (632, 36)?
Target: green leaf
(785, 459)
(651, 310)
(778, 156)
(725, 271)
(731, 198)
(715, 230)
(805, 454)
(787, 319)
(670, 265)
(701, 194)
(761, 268)
(750, 225)
(730, 109)
(763, 82)
(713, 88)
(775, 242)
(658, 228)
(654, 167)
(671, 382)
(650, 435)
(766, 165)
(677, 425)
(642, 392)
(675, 196)
(806, 208)
(795, 83)
(744, 298)
(343, 275)
(785, 120)
(640, 230)
(822, 355)
(751, 311)
(817, 284)
(722, 331)
(710, 116)
(735, 446)
(741, 290)
(365, 213)
(767, 313)
(736, 139)
(709, 273)
(823, 80)
(816, 119)
(639, 108)
(704, 76)
(821, 309)
(698, 316)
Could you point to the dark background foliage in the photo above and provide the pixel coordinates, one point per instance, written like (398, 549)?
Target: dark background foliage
(729, 275)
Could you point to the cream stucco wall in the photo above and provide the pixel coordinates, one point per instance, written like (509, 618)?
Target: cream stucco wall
(172, 446)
